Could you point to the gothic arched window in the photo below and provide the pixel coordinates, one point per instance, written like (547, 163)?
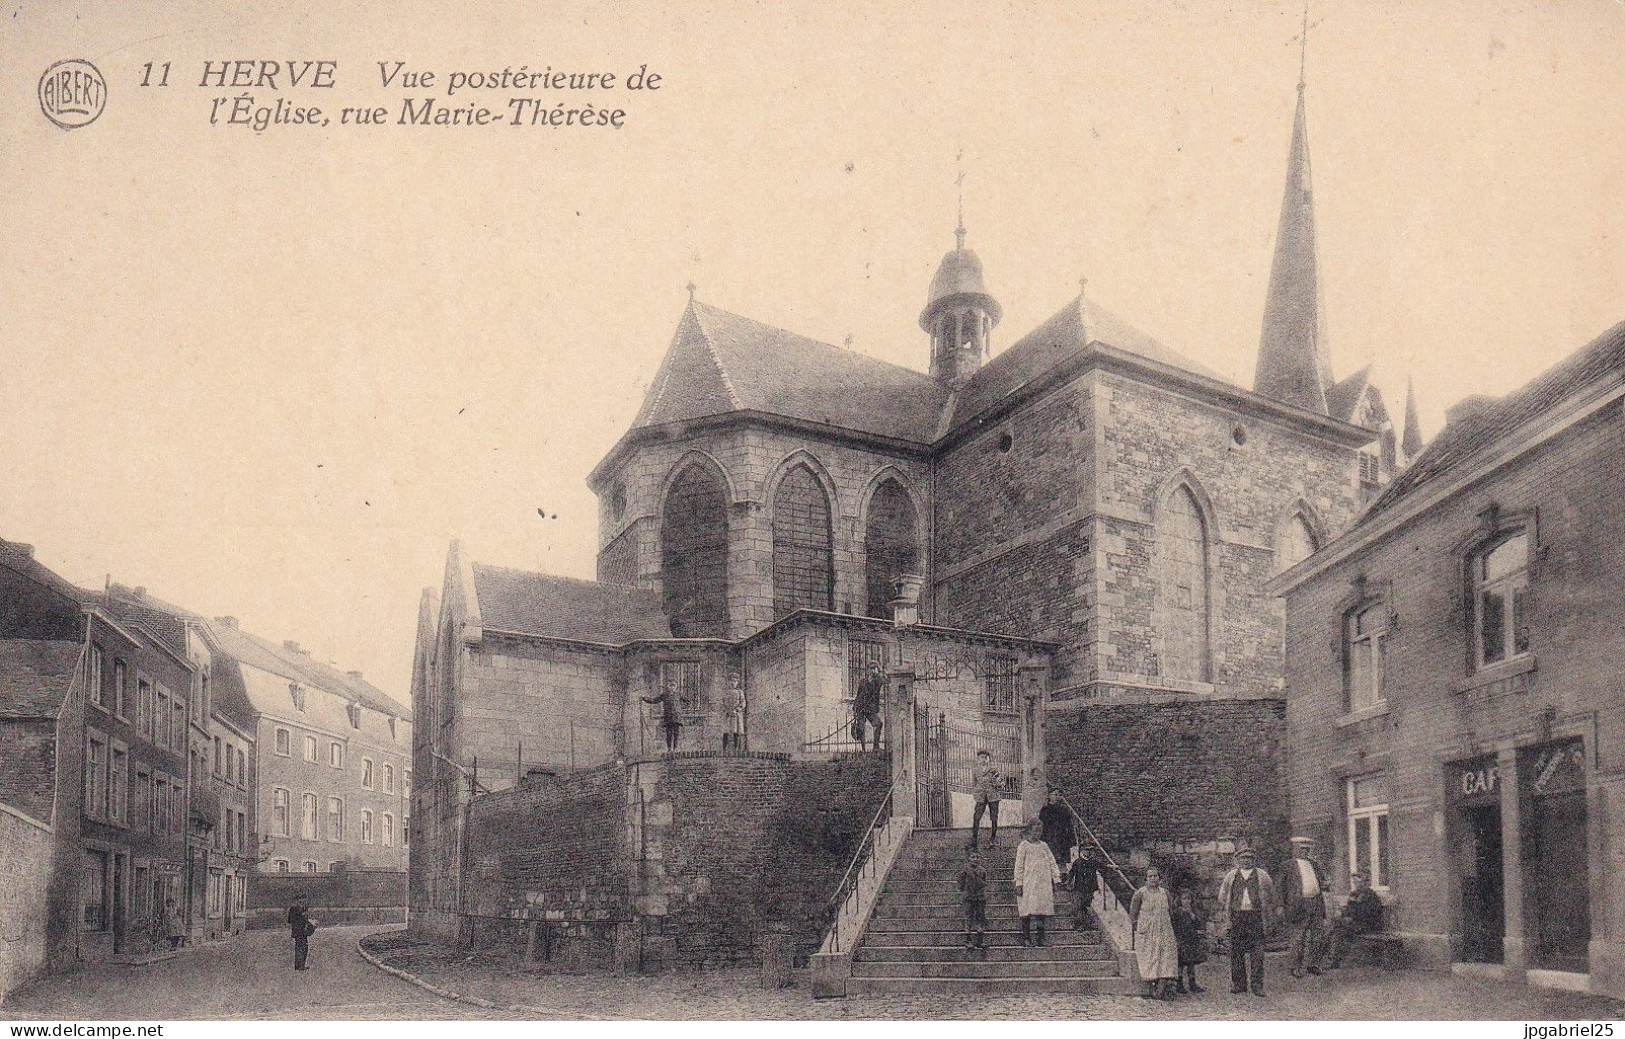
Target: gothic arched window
(1183, 597)
(1297, 543)
(803, 563)
(694, 554)
(888, 538)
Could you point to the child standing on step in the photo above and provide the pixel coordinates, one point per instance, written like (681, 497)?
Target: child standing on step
(973, 889)
(1191, 935)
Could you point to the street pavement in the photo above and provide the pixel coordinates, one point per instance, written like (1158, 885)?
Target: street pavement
(252, 978)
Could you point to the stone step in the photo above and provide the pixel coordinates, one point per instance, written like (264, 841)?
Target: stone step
(1022, 969)
(958, 953)
(884, 937)
(949, 915)
(1074, 986)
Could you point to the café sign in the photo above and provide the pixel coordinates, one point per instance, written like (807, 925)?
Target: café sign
(1475, 782)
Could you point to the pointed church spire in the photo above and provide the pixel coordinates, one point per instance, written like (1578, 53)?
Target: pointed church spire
(1411, 442)
(1293, 364)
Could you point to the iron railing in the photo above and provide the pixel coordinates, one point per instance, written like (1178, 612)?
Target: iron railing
(840, 740)
(862, 866)
(1123, 888)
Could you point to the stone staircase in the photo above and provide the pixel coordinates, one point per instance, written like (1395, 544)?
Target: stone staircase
(915, 940)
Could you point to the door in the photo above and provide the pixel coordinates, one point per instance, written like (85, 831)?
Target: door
(931, 769)
(1557, 880)
(1478, 856)
(118, 902)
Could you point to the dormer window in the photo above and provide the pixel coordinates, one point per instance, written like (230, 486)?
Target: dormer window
(354, 711)
(297, 692)
(1500, 591)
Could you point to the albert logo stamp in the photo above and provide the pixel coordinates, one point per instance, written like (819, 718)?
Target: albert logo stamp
(72, 93)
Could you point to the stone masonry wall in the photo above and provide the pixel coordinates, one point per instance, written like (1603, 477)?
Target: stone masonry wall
(28, 782)
(26, 850)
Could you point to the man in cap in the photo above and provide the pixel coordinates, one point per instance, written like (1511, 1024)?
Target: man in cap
(1247, 907)
(1303, 897)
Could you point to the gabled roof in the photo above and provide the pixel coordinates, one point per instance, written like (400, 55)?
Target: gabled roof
(35, 676)
(720, 362)
(1342, 398)
(527, 603)
(1494, 418)
(1064, 336)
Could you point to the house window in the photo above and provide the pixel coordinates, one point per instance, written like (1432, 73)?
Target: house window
(803, 556)
(281, 808)
(97, 693)
(231, 764)
(335, 819)
(143, 707)
(389, 778)
(1368, 829)
(310, 867)
(307, 818)
(93, 917)
(335, 866)
(406, 831)
(217, 755)
(406, 785)
(177, 797)
(282, 865)
(335, 755)
(141, 817)
(310, 748)
(366, 827)
(1500, 599)
(160, 719)
(1366, 635)
(96, 777)
(1000, 688)
(177, 723)
(242, 769)
(118, 688)
(389, 830)
(118, 785)
(242, 832)
(160, 800)
(683, 677)
(284, 743)
(366, 773)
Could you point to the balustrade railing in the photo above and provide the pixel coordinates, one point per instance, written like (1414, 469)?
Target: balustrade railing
(856, 893)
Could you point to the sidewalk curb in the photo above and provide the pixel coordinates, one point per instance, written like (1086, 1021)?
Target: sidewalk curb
(478, 1001)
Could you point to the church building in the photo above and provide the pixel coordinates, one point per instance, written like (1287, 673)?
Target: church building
(1063, 541)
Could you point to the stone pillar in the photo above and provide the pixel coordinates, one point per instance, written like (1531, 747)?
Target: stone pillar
(1033, 690)
(1514, 954)
(899, 708)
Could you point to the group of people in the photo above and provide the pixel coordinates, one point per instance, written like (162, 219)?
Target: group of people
(1169, 934)
(733, 715)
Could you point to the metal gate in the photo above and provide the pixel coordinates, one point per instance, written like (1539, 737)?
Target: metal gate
(946, 762)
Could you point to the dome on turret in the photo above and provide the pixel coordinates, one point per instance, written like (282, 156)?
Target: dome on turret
(959, 276)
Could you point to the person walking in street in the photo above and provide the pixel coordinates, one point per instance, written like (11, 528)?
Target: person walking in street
(1361, 915)
(1059, 833)
(972, 882)
(302, 927)
(1191, 934)
(866, 706)
(671, 719)
(1303, 898)
(174, 925)
(1248, 909)
(1156, 950)
(987, 786)
(1036, 876)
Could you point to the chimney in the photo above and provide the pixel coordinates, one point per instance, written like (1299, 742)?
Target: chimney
(140, 591)
(905, 608)
(230, 622)
(291, 645)
(353, 674)
(1468, 407)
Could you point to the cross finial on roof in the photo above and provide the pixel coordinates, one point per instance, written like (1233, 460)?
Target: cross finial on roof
(1302, 40)
(691, 289)
(959, 182)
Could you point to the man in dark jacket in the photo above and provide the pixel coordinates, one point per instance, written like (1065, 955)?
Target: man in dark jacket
(671, 717)
(1059, 833)
(1362, 915)
(866, 706)
(301, 926)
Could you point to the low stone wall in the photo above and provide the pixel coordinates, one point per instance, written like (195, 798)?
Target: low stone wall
(683, 861)
(334, 899)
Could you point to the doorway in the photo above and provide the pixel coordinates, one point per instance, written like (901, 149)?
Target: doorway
(1483, 889)
(1558, 883)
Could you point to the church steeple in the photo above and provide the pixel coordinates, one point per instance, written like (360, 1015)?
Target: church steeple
(1293, 362)
(959, 315)
(1412, 442)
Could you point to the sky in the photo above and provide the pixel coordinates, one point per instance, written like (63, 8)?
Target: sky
(273, 375)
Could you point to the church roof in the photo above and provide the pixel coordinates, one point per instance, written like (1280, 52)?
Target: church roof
(528, 603)
(1293, 363)
(720, 362)
(1065, 336)
(1494, 418)
(1343, 397)
(1412, 442)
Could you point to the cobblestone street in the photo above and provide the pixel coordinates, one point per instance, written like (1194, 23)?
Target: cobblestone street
(252, 978)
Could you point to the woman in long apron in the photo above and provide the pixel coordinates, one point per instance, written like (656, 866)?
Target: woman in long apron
(1156, 950)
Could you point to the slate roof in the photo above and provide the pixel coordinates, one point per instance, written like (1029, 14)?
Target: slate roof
(720, 362)
(1342, 397)
(564, 608)
(1064, 336)
(1498, 417)
(35, 675)
(20, 558)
